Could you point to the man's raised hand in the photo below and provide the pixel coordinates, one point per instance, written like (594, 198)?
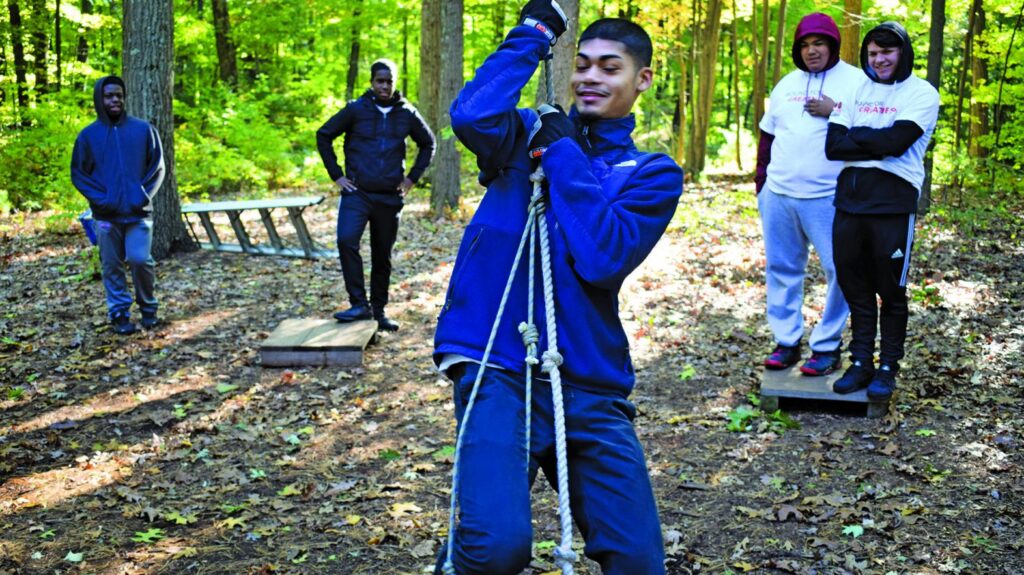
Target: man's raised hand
(552, 125)
(546, 16)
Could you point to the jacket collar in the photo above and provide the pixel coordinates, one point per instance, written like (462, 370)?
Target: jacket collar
(396, 99)
(604, 137)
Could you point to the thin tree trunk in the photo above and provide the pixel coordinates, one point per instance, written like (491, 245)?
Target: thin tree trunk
(82, 53)
(148, 47)
(18, 48)
(962, 80)
(447, 183)
(57, 42)
(405, 53)
(499, 21)
(353, 55)
(1002, 79)
(780, 42)
(563, 58)
(40, 25)
(227, 62)
(736, 83)
(761, 66)
(706, 67)
(682, 103)
(935, 48)
(979, 75)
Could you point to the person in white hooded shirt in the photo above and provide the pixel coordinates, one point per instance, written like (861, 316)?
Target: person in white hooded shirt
(796, 184)
(883, 138)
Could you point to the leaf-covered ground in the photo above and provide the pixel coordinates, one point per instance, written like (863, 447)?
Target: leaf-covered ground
(174, 451)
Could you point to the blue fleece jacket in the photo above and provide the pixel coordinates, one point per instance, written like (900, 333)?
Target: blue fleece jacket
(118, 166)
(609, 205)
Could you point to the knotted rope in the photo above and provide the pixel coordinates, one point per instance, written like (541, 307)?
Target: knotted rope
(536, 230)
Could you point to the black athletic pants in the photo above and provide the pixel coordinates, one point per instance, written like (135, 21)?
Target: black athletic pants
(382, 211)
(872, 257)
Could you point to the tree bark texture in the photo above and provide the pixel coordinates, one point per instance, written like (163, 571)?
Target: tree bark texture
(18, 49)
(780, 42)
(979, 76)
(447, 183)
(736, 83)
(353, 57)
(40, 24)
(430, 65)
(57, 42)
(226, 58)
(82, 53)
(935, 49)
(849, 34)
(148, 47)
(760, 62)
(706, 61)
(681, 105)
(563, 59)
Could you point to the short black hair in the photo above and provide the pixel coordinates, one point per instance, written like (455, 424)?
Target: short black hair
(884, 38)
(636, 40)
(383, 64)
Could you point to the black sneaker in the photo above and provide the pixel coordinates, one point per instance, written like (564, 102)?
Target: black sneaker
(122, 324)
(387, 324)
(355, 313)
(857, 376)
(883, 384)
(149, 320)
(783, 357)
(822, 362)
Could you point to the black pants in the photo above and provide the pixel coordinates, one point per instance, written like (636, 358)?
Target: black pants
(872, 257)
(382, 211)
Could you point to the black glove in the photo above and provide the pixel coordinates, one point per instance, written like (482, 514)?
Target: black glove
(551, 125)
(546, 16)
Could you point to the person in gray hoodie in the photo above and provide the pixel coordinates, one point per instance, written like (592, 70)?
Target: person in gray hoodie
(118, 165)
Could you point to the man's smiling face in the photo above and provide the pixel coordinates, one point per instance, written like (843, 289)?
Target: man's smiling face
(607, 80)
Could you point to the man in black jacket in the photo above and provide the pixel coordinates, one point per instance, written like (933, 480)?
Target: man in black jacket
(373, 184)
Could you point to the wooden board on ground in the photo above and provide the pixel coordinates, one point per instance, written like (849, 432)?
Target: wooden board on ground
(790, 383)
(317, 342)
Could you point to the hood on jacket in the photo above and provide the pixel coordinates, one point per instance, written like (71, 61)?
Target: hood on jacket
(97, 99)
(822, 25)
(906, 65)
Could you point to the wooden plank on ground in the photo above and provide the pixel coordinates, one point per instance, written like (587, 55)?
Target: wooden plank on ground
(317, 342)
(239, 205)
(791, 383)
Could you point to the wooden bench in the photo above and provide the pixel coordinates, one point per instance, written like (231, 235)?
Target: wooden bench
(295, 206)
(317, 342)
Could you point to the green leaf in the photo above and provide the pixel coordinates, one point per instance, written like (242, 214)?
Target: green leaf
(289, 490)
(257, 474)
(446, 452)
(541, 545)
(388, 455)
(293, 439)
(223, 388)
(854, 530)
(73, 557)
(48, 534)
(740, 418)
(178, 518)
(688, 372)
(925, 432)
(148, 536)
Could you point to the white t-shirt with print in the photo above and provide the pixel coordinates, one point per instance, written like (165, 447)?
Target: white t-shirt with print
(798, 166)
(880, 106)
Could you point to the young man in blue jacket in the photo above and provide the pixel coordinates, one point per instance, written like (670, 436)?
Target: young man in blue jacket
(373, 184)
(882, 138)
(118, 165)
(608, 204)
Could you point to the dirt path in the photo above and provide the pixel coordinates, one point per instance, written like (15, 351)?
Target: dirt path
(175, 452)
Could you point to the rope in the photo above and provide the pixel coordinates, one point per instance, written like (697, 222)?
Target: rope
(551, 359)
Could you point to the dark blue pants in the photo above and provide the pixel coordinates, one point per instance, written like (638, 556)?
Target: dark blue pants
(381, 211)
(872, 257)
(610, 491)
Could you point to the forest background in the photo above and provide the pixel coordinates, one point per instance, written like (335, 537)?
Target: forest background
(252, 81)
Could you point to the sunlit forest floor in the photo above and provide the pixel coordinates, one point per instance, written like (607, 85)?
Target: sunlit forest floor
(174, 451)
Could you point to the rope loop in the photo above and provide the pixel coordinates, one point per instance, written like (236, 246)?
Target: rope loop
(531, 335)
(449, 568)
(552, 359)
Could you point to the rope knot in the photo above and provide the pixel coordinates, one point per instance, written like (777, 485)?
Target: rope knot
(564, 556)
(449, 568)
(537, 176)
(531, 335)
(552, 359)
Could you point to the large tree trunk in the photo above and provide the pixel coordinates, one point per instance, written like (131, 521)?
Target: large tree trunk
(563, 59)
(780, 42)
(226, 59)
(447, 183)
(705, 73)
(353, 56)
(850, 32)
(40, 42)
(935, 48)
(148, 47)
(427, 100)
(18, 48)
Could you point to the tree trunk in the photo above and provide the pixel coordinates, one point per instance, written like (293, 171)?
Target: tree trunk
(447, 185)
(682, 104)
(427, 99)
(405, 54)
(18, 48)
(499, 21)
(850, 32)
(736, 82)
(760, 63)
(82, 54)
(780, 42)
(226, 59)
(40, 24)
(57, 41)
(353, 55)
(563, 59)
(961, 85)
(979, 76)
(148, 47)
(935, 48)
(706, 62)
